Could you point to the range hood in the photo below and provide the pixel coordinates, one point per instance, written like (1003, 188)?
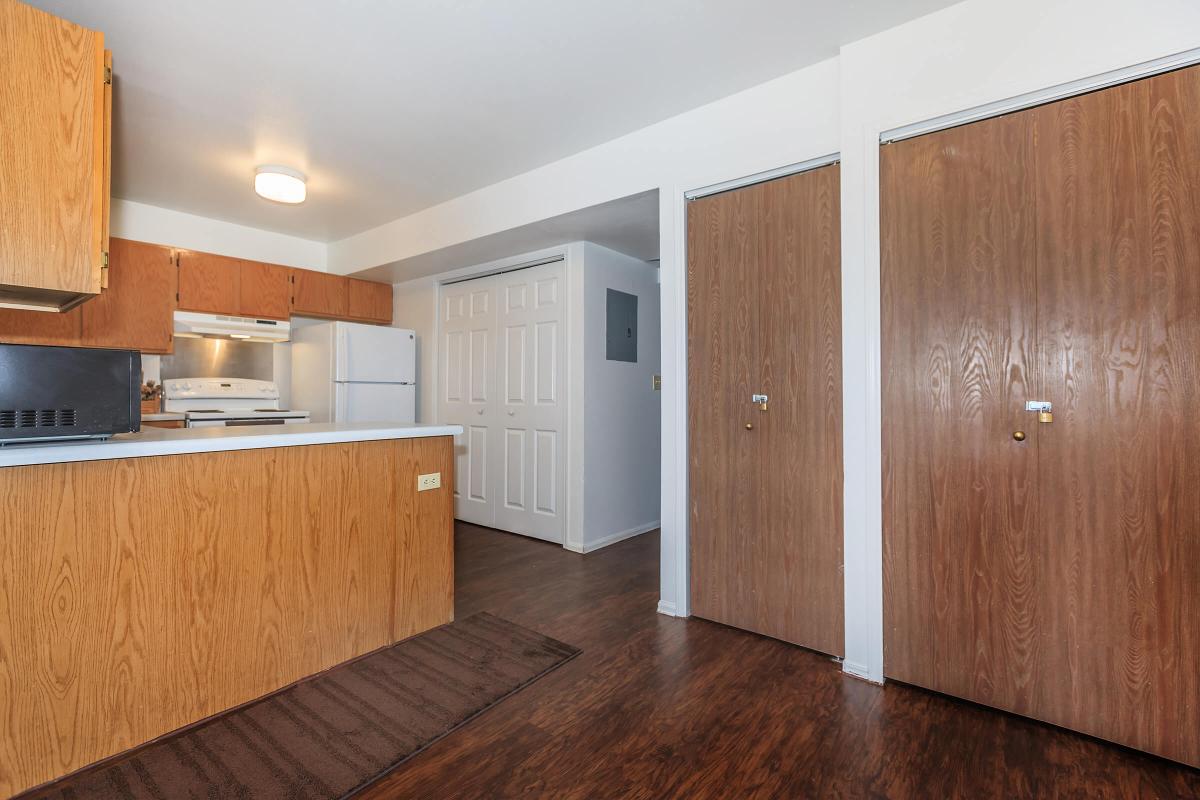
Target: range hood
(223, 326)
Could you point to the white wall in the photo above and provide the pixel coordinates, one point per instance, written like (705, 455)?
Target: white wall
(144, 223)
(621, 410)
(414, 306)
(971, 54)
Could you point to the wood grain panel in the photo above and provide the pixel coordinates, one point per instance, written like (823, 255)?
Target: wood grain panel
(723, 249)
(209, 283)
(426, 592)
(139, 595)
(963, 579)
(765, 316)
(136, 311)
(41, 327)
(369, 301)
(1119, 309)
(52, 112)
(319, 294)
(264, 291)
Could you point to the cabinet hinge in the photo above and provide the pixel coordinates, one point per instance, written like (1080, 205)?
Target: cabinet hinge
(108, 76)
(105, 253)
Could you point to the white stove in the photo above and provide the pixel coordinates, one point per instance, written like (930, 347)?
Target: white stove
(210, 402)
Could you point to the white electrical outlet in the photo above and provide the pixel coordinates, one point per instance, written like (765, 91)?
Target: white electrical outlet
(432, 480)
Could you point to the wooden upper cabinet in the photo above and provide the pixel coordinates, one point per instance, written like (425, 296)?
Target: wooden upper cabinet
(136, 310)
(369, 301)
(265, 291)
(209, 283)
(54, 112)
(40, 327)
(319, 294)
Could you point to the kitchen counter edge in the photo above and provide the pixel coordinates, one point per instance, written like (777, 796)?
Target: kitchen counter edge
(180, 441)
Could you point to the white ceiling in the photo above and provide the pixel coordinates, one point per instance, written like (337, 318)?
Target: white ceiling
(391, 107)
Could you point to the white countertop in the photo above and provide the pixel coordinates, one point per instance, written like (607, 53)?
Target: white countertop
(174, 441)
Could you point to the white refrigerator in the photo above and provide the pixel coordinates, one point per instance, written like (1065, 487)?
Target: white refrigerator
(347, 372)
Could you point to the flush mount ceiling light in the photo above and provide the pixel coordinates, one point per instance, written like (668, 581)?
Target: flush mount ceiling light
(281, 184)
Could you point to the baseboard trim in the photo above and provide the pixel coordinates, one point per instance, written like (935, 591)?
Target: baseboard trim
(860, 671)
(618, 536)
(666, 607)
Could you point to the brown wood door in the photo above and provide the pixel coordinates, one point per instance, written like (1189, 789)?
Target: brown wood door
(1049, 255)
(264, 291)
(1118, 197)
(136, 311)
(319, 294)
(209, 283)
(961, 570)
(764, 299)
(369, 301)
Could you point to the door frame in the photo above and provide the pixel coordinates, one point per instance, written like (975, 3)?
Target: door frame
(572, 257)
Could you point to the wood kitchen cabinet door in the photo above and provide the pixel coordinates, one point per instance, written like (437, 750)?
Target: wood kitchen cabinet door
(319, 294)
(136, 310)
(369, 301)
(209, 283)
(264, 291)
(54, 115)
(40, 327)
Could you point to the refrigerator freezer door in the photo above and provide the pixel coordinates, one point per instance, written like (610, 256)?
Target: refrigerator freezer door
(374, 353)
(376, 402)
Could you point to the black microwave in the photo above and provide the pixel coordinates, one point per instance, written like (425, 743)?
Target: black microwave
(50, 393)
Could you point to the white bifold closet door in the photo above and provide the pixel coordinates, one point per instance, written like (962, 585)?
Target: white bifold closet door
(503, 378)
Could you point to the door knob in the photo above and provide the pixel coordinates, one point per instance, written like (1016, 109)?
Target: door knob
(749, 426)
(511, 412)
(1019, 435)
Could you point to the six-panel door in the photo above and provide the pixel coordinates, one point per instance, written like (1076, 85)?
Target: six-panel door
(503, 378)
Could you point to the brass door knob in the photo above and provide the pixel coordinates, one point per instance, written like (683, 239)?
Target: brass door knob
(749, 426)
(1019, 435)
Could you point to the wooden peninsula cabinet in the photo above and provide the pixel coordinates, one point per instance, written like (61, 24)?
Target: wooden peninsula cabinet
(55, 110)
(140, 594)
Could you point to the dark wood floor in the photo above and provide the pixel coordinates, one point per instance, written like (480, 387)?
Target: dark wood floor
(658, 707)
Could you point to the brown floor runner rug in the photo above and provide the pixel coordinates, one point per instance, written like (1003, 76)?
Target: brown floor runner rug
(337, 732)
